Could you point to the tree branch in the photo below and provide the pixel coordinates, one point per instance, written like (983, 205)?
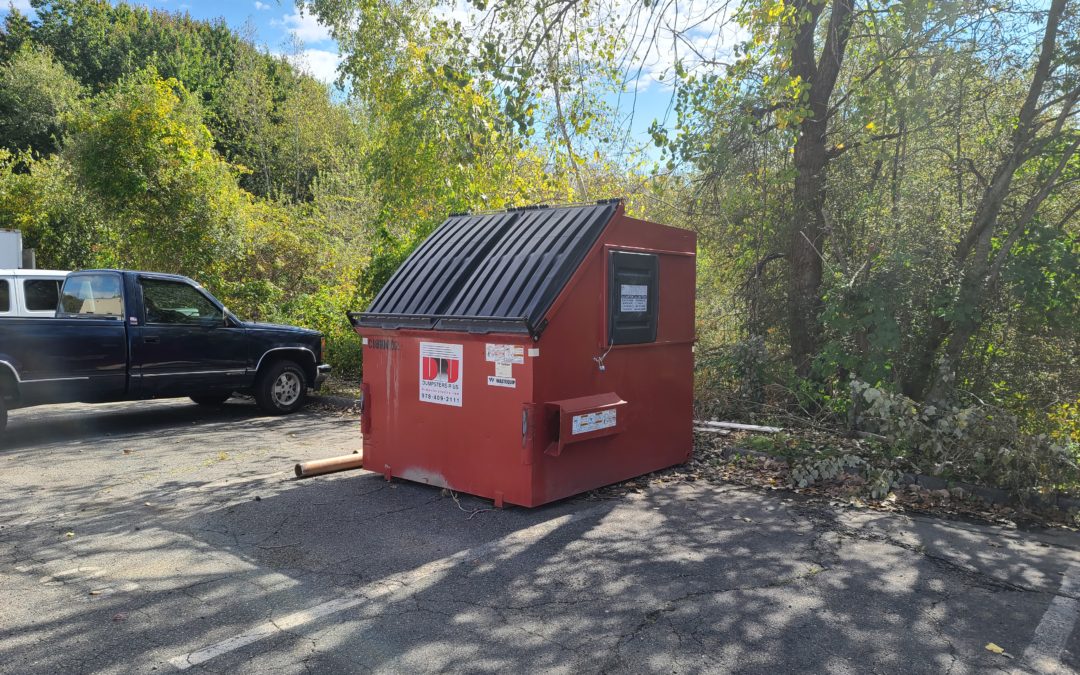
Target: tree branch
(998, 187)
(759, 266)
(837, 150)
(1028, 213)
(832, 54)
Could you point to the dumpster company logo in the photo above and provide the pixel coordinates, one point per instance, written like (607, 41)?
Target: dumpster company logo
(440, 373)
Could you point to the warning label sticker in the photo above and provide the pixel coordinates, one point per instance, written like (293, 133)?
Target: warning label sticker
(633, 298)
(440, 373)
(496, 381)
(583, 424)
(504, 370)
(505, 353)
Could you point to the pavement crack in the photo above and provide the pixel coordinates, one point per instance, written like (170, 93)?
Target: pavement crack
(825, 522)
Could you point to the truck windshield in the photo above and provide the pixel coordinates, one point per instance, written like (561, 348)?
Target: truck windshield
(93, 295)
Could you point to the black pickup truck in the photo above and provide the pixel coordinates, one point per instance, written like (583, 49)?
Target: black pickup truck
(122, 335)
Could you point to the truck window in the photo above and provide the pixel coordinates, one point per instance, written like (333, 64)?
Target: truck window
(93, 295)
(41, 295)
(5, 297)
(172, 302)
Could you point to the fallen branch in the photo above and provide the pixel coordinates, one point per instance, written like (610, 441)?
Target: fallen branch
(869, 435)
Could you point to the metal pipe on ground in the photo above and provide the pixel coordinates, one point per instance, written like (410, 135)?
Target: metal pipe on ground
(318, 467)
(737, 426)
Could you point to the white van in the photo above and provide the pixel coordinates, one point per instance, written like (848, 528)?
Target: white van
(29, 293)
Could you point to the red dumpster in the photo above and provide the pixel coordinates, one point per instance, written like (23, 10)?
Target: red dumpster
(532, 354)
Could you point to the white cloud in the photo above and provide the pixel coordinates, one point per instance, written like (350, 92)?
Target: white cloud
(304, 26)
(261, 5)
(318, 63)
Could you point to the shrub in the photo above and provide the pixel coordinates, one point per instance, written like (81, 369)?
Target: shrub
(979, 442)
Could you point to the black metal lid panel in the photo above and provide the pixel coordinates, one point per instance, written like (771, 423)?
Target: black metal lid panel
(498, 268)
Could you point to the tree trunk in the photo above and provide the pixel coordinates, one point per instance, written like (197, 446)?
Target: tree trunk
(806, 242)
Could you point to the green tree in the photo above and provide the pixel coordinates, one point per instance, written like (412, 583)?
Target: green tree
(173, 204)
(40, 197)
(1040, 155)
(437, 140)
(263, 114)
(16, 32)
(36, 97)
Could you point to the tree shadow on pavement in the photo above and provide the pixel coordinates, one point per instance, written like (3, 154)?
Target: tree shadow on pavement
(37, 426)
(684, 578)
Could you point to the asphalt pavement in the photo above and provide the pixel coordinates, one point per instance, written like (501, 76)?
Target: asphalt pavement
(163, 537)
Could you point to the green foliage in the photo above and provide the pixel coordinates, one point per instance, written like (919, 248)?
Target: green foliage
(437, 141)
(36, 97)
(810, 470)
(917, 127)
(975, 442)
(99, 43)
(17, 32)
(263, 115)
(39, 197)
(142, 151)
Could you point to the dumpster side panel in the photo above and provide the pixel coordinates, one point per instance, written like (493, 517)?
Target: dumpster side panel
(446, 410)
(654, 379)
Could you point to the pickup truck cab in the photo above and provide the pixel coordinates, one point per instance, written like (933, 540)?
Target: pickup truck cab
(30, 292)
(123, 335)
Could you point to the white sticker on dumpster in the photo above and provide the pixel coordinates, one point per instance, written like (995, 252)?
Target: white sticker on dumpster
(505, 353)
(583, 424)
(633, 298)
(496, 381)
(441, 371)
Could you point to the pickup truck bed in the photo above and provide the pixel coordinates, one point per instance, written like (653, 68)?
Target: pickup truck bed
(123, 335)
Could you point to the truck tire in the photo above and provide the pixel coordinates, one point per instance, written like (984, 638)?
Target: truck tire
(3, 416)
(211, 400)
(281, 388)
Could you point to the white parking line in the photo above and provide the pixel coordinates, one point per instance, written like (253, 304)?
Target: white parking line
(1043, 655)
(390, 589)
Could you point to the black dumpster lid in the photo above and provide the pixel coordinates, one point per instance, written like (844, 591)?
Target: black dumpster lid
(496, 272)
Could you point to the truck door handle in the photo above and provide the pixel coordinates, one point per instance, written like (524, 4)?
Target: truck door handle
(151, 340)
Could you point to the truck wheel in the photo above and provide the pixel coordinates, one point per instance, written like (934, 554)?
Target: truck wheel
(211, 400)
(281, 388)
